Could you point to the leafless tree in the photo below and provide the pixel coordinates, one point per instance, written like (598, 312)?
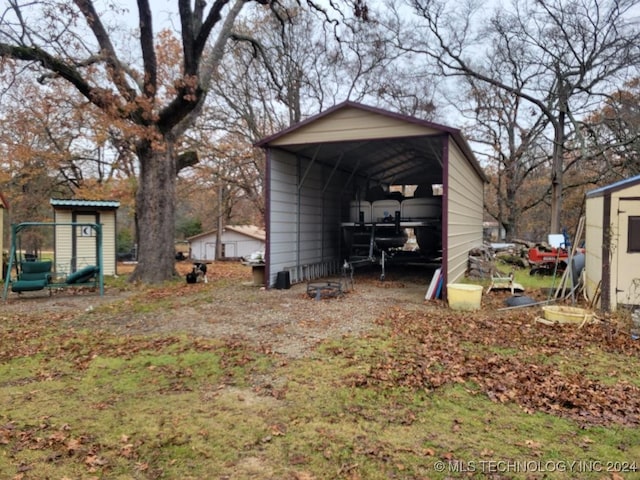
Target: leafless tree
(571, 54)
(511, 144)
(124, 78)
(276, 73)
(614, 130)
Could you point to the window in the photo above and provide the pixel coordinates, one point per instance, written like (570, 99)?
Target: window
(633, 242)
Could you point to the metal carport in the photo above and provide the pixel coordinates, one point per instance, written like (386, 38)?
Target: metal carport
(315, 168)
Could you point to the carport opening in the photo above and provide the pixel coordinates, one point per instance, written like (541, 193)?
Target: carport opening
(394, 225)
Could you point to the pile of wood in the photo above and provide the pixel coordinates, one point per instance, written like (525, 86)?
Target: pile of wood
(482, 261)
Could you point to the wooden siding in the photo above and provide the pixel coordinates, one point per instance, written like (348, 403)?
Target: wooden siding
(593, 244)
(625, 265)
(66, 236)
(108, 221)
(63, 242)
(352, 124)
(465, 212)
(304, 229)
(86, 247)
(619, 284)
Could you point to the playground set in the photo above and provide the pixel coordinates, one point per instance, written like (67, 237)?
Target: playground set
(28, 273)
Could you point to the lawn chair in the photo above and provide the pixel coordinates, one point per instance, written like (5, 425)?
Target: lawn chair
(501, 281)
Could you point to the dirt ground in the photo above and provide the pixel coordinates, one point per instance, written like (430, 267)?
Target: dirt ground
(288, 322)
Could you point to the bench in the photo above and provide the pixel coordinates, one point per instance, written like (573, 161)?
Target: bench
(33, 276)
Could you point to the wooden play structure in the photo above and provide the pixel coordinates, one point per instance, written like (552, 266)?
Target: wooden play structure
(26, 272)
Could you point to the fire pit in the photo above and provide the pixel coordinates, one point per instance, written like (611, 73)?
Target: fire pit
(324, 290)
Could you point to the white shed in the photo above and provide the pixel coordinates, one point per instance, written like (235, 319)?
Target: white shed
(237, 241)
(612, 243)
(356, 169)
(75, 247)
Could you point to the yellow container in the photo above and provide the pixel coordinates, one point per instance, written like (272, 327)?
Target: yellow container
(463, 296)
(562, 314)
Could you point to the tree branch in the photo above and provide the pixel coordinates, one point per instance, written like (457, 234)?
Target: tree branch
(114, 69)
(148, 50)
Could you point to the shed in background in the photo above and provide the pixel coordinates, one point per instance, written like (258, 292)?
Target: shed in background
(238, 241)
(320, 175)
(75, 247)
(612, 242)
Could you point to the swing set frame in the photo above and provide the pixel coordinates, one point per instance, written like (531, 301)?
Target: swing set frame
(32, 274)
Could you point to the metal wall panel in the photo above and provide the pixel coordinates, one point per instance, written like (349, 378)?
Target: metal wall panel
(465, 213)
(304, 212)
(353, 123)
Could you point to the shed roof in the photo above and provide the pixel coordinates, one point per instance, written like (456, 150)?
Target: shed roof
(384, 146)
(72, 203)
(614, 187)
(247, 230)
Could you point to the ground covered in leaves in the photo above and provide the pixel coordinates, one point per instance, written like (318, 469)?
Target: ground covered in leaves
(584, 375)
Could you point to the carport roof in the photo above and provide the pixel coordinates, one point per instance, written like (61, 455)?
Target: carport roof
(383, 146)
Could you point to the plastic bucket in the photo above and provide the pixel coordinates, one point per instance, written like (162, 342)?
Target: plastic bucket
(563, 314)
(463, 296)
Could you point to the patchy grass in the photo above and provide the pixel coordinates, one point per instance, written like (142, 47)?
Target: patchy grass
(426, 394)
(523, 277)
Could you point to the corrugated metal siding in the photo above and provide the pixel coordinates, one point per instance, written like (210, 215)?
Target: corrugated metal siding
(236, 245)
(101, 204)
(203, 248)
(304, 230)
(352, 124)
(283, 210)
(244, 246)
(593, 244)
(465, 212)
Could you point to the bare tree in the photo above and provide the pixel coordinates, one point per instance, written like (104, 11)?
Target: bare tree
(277, 73)
(74, 42)
(510, 142)
(614, 130)
(570, 52)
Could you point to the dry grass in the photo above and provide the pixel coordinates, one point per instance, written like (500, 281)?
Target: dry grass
(229, 381)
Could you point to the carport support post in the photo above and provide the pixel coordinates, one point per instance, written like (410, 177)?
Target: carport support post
(445, 216)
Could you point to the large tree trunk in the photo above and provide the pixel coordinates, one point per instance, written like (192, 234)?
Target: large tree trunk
(155, 198)
(557, 161)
